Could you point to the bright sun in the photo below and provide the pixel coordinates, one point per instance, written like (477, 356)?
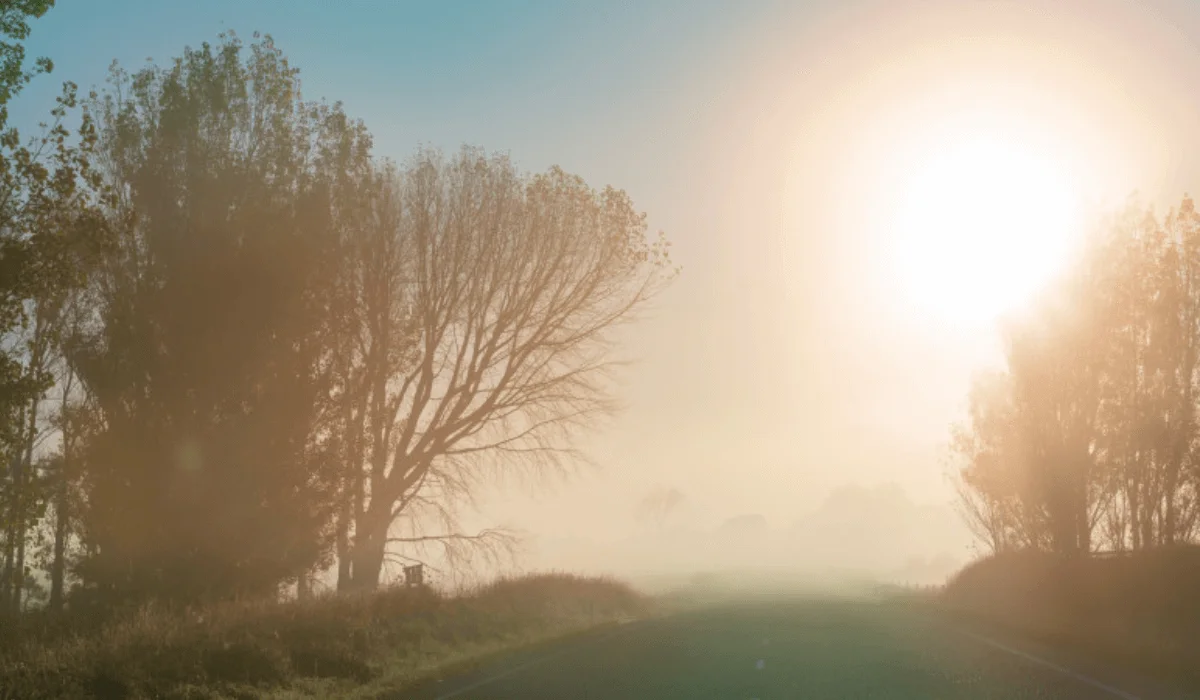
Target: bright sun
(981, 223)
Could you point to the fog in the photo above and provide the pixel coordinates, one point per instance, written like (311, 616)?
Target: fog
(786, 383)
(416, 332)
(857, 533)
(788, 361)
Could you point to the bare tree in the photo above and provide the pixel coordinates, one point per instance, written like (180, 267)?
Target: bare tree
(658, 505)
(479, 305)
(989, 472)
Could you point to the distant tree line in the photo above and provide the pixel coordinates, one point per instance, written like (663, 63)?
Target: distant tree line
(238, 349)
(1090, 439)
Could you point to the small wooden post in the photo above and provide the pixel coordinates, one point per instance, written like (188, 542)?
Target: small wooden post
(414, 575)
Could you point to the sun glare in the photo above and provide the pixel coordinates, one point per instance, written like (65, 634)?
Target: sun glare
(981, 223)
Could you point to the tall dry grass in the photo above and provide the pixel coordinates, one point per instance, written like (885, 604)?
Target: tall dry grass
(250, 648)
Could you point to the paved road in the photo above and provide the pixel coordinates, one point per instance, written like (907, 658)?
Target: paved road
(793, 649)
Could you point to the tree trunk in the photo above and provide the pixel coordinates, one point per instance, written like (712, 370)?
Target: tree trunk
(19, 573)
(1169, 519)
(6, 582)
(1147, 529)
(10, 550)
(1083, 525)
(368, 562)
(24, 472)
(370, 545)
(15, 552)
(62, 496)
(1133, 503)
(61, 523)
(304, 586)
(350, 508)
(344, 580)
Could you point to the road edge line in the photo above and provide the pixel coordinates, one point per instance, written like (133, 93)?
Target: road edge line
(622, 627)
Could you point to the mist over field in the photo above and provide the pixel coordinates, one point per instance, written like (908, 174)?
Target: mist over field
(856, 534)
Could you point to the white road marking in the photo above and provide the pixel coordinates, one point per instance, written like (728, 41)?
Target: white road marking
(1116, 692)
(528, 664)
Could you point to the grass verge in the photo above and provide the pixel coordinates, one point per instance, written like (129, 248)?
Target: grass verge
(363, 646)
(1138, 611)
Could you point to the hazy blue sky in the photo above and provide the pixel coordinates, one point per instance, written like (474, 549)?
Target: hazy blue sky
(778, 366)
(554, 82)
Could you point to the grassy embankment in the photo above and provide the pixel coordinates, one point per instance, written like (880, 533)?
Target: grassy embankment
(355, 646)
(1140, 610)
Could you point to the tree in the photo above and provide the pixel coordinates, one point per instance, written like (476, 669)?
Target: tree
(1055, 357)
(1152, 422)
(992, 501)
(481, 303)
(1030, 450)
(658, 505)
(14, 27)
(22, 174)
(1100, 399)
(211, 363)
(51, 230)
(73, 417)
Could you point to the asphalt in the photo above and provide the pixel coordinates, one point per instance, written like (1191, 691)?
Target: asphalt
(777, 647)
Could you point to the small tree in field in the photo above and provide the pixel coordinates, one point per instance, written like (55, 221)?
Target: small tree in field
(657, 506)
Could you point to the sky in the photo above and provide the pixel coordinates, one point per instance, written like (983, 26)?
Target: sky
(769, 140)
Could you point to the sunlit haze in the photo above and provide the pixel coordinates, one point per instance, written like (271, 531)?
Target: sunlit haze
(535, 349)
(853, 190)
(982, 222)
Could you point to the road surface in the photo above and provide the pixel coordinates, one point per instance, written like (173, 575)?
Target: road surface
(792, 648)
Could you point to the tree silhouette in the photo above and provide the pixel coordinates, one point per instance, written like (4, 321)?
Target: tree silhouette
(50, 231)
(658, 505)
(1089, 439)
(210, 360)
(479, 304)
